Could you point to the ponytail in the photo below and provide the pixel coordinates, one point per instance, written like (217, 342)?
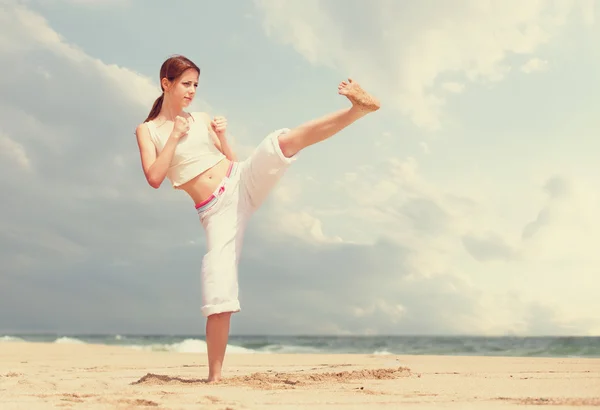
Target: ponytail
(156, 108)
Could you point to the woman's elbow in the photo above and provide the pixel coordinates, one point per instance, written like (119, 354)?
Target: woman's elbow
(154, 184)
(153, 181)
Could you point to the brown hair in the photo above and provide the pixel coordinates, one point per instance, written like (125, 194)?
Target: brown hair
(171, 69)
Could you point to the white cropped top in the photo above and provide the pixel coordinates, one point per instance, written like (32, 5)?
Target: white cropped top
(194, 154)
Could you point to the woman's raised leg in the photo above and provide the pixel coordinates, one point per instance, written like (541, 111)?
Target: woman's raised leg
(324, 127)
(291, 142)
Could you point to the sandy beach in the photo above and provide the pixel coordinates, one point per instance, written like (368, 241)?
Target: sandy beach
(48, 375)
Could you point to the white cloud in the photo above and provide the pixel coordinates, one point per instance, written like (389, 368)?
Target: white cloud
(286, 218)
(103, 231)
(386, 248)
(453, 87)
(394, 312)
(28, 32)
(410, 53)
(534, 65)
(69, 119)
(464, 242)
(14, 151)
(381, 295)
(588, 11)
(300, 225)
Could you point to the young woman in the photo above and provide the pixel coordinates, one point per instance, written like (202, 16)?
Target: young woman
(192, 151)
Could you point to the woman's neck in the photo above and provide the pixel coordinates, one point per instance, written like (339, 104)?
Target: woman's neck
(170, 111)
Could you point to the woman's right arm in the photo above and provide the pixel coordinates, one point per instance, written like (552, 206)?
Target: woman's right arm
(155, 168)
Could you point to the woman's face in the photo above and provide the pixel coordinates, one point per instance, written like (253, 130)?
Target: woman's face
(183, 90)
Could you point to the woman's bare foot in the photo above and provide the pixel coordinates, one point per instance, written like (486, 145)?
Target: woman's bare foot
(213, 379)
(357, 96)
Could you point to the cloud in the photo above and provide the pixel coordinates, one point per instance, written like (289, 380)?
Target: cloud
(489, 247)
(453, 87)
(81, 227)
(534, 65)
(68, 120)
(372, 289)
(543, 218)
(430, 237)
(567, 217)
(15, 152)
(411, 53)
(383, 250)
(557, 187)
(299, 224)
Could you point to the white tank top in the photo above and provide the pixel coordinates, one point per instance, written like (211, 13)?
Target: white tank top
(194, 154)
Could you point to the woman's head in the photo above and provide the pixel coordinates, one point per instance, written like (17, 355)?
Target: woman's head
(178, 81)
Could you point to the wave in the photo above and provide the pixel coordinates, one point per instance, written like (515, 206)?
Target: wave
(11, 339)
(186, 346)
(71, 340)
(283, 348)
(404, 345)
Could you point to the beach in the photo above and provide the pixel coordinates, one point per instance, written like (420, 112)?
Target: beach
(87, 376)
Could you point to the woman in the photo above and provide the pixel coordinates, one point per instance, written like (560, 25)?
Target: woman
(192, 151)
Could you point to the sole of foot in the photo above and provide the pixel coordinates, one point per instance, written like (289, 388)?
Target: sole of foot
(358, 96)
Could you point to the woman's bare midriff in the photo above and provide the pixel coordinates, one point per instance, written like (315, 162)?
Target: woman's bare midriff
(202, 186)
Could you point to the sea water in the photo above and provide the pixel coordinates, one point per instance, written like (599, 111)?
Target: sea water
(402, 345)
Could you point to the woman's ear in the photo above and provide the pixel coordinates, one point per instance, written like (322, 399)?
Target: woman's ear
(165, 84)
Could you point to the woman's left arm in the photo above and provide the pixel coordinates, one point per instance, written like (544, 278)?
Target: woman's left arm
(217, 129)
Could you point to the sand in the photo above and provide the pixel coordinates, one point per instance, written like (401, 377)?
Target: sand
(48, 376)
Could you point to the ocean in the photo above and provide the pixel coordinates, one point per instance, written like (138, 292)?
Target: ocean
(380, 345)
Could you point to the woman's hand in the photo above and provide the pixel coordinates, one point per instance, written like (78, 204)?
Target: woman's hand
(180, 127)
(219, 126)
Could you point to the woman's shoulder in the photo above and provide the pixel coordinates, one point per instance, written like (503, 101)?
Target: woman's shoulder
(142, 127)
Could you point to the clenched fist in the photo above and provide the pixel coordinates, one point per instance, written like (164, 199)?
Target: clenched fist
(219, 126)
(181, 127)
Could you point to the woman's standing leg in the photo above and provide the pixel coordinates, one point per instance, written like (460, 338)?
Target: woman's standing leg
(225, 225)
(217, 336)
(324, 127)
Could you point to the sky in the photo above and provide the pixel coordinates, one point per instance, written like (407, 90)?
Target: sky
(468, 204)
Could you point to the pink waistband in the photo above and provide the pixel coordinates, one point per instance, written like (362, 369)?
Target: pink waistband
(217, 191)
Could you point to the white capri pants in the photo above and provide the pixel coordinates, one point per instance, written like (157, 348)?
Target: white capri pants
(224, 216)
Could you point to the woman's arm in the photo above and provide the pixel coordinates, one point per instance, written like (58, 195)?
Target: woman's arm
(156, 167)
(225, 148)
(220, 142)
